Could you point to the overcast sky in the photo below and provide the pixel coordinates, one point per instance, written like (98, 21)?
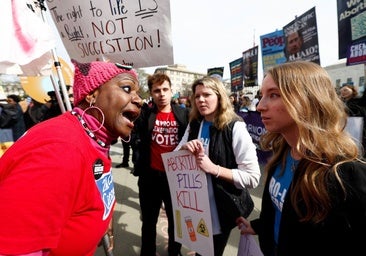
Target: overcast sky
(212, 33)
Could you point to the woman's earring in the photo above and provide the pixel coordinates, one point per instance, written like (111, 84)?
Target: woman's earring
(91, 106)
(128, 140)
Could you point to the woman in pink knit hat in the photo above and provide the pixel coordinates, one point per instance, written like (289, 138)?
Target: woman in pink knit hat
(56, 188)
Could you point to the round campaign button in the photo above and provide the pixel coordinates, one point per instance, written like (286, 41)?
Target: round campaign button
(98, 169)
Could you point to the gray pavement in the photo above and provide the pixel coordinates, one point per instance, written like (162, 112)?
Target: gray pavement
(127, 224)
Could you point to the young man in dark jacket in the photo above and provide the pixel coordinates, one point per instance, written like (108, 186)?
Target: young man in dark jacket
(159, 128)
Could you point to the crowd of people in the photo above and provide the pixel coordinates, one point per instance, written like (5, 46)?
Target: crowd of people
(11, 117)
(18, 115)
(244, 102)
(313, 203)
(355, 107)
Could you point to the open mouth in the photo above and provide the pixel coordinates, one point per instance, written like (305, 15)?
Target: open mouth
(131, 115)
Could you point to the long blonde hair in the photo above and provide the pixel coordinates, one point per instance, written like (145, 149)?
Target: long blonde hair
(311, 100)
(225, 112)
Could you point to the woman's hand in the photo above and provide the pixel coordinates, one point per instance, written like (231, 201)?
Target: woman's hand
(194, 146)
(205, 164)
(244, 226)
(203, 161)
(110, 236)
(111, 243)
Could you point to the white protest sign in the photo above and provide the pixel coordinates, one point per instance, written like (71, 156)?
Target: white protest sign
(136, 33)
(191, 207)
(248, 246)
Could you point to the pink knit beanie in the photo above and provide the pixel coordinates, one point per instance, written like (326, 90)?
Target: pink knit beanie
(89, 76)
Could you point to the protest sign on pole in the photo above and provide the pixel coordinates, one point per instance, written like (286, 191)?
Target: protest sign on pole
(272, 46)
(250, 67)
(301, 38)
(217, 72)
(191, 207)
(236, 74)
(135, 33)
(351, 16)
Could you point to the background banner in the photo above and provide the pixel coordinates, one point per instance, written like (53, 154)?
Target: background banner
(216, 72)
(250, 66)
(256, 128)
(236, 74)
(351, 24)
(272, 45)
(301, 38)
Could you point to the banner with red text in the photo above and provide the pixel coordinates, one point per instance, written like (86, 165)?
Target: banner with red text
(356, 53)
(236, 75)
(191, 207)
(351, 30)
(136, 33)
(272, 45)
